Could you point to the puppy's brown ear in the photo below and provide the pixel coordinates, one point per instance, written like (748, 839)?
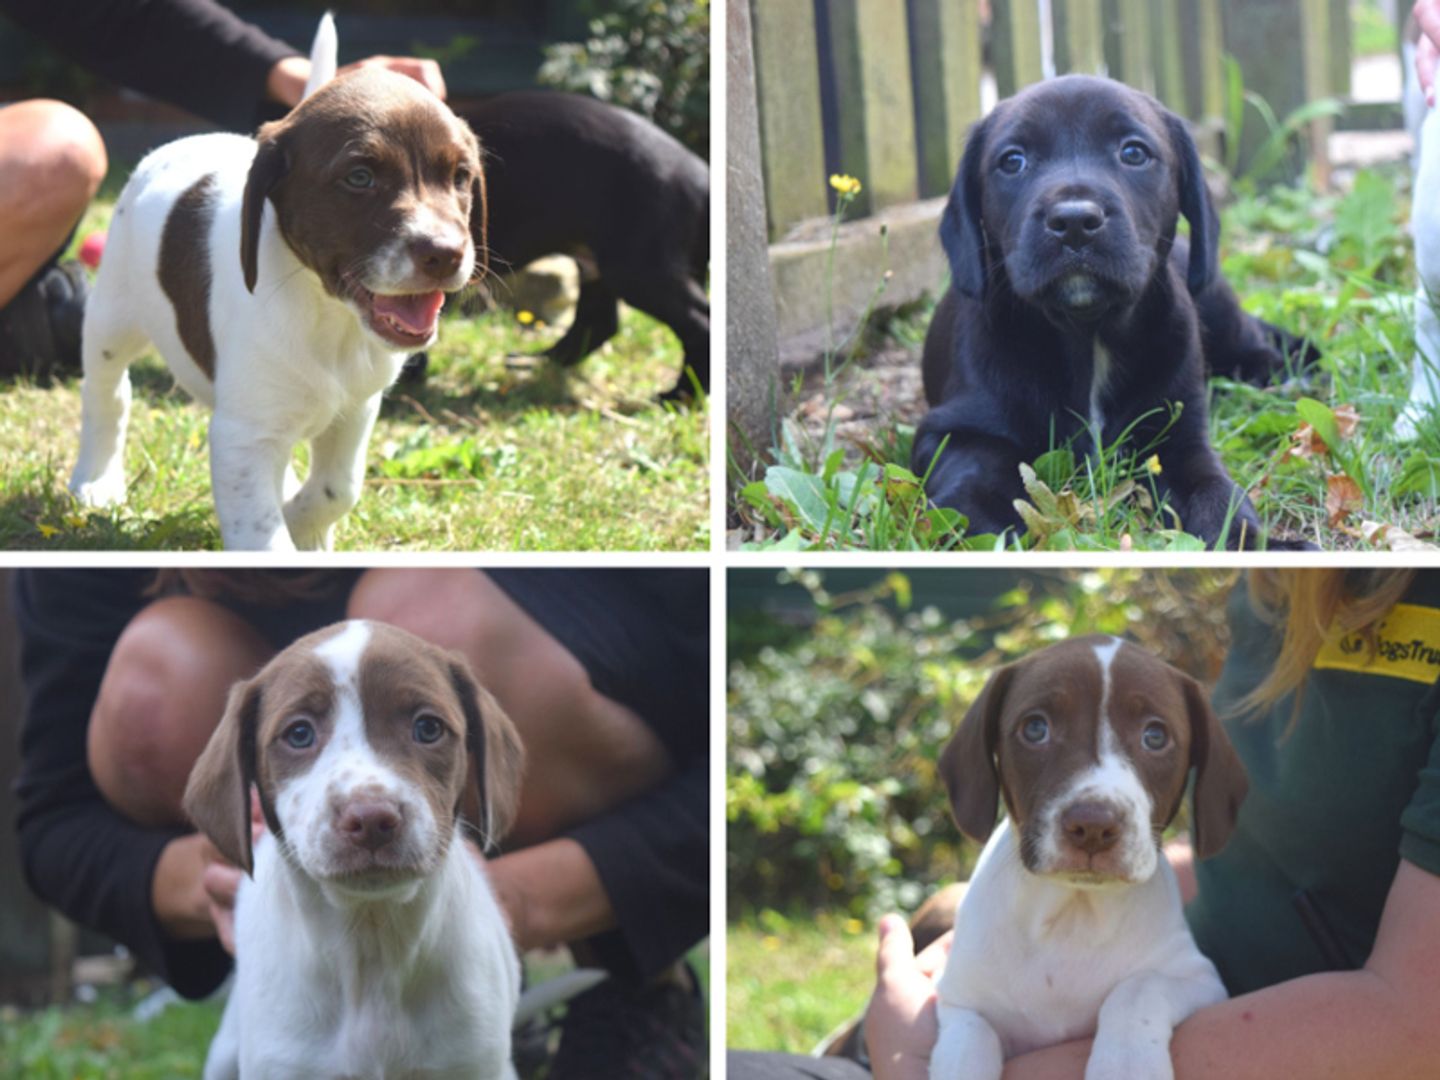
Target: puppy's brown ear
(497, 758)
(1220, 783)
(968, 764)
(217, 796)
(961, 233)
(268, 169)
(1197, 208)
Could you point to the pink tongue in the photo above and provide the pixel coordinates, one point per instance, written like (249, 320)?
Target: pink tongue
(415, 312)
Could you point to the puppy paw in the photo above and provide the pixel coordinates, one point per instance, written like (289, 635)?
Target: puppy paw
(107, 490)
(1144, 1058)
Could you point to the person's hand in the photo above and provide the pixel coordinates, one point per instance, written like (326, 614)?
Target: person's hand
(900, 1025)
(286, 81)
(1427, 49)
(220, 880)
(194, 886)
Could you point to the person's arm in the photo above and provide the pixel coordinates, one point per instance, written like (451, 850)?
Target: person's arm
(1427, 49)
(551, 893)
(1383, 1020)
(190, 53)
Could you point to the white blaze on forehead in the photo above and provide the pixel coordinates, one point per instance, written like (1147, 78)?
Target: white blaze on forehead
(1105, 653)
(342, 652)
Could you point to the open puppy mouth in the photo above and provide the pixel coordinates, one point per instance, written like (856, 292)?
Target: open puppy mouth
(405, 320)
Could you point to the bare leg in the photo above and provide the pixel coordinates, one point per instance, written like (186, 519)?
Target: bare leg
(51, 164)
(588, 753)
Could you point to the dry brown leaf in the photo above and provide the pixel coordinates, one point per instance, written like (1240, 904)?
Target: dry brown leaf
(1347, 419)
(1342, 498)
(1393, 538)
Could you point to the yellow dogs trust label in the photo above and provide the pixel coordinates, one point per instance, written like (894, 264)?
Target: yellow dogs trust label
(1407, 646)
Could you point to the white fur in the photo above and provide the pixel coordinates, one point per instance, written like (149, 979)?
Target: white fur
(422, 981)
(1039, 961)
(1099, 377)
(1425, 223)
(292, 362)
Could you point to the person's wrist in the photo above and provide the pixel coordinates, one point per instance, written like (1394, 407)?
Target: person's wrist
(286, 80)
(176, 896)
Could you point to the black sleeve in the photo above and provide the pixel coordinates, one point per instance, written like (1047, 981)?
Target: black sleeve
(653, 857)
(191, 53)
(78, 853)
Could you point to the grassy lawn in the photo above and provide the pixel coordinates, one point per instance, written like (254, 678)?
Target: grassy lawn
(497, 451)
(791, 982)
(103, 1041)
(1318, 454)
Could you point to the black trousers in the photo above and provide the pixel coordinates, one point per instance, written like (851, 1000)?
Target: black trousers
(749, 1065)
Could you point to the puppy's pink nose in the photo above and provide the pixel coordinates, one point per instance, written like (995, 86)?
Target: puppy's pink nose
(438, 256)
(369, 824)
(1091, 826)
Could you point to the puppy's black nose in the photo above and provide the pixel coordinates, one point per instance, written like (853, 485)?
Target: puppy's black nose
(370, 825)
(1075, 221)
(438, 257)
(1091, 826)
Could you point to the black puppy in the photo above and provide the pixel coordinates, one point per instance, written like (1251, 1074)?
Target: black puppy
(568, 175)
(1074, 313)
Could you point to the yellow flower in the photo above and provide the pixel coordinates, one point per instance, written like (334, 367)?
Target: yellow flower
(75, 521)
(845, 185)
(770, 942)
(47, 531)
(1153, 465)
(525, 317)
(854, 926)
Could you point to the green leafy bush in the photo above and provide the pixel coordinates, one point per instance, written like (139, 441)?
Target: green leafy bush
(650, 56)
(833, 799)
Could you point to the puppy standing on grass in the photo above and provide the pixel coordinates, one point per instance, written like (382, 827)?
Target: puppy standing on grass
(1072, 924)
(369, 944)
(284, 280)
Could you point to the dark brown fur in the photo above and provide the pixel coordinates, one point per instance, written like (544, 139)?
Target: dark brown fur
(184, 269)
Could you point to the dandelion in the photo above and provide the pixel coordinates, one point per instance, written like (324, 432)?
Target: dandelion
(1152, 466)
(854, 926)
(845, 186)
(47, 531)
(75, 521)
(525, 318)
(770, 942)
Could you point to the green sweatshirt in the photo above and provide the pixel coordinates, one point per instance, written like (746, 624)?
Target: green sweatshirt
(1334, 805)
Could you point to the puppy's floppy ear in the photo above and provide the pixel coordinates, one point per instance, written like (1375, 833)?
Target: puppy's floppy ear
(961, 233)
(1196, 207)
(968, 764)
(497, 757)
(217, 796)
(1220, 783)
(268, 169)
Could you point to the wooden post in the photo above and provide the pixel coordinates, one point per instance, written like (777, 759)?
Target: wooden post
(1203, 53)
(875, 112)
(792, 142)
(1079, 37)
(945, 52)
(1015, 41)
(1127, 42)
(1342, 46)
(752, 363)
(1165, 52)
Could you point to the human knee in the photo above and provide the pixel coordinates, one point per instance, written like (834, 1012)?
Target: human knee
(63, 159)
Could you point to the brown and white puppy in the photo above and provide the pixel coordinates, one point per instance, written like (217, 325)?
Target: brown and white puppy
(1072, 924)
(284, 280)
(1075, 316)
(369, 942)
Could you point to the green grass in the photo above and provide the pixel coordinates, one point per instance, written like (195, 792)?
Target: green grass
(497, 451)
(1338, 268)
(791, 982)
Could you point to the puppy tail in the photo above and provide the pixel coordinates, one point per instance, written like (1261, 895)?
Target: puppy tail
(323, 55)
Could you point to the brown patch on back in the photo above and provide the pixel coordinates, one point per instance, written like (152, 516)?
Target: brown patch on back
(185, 269)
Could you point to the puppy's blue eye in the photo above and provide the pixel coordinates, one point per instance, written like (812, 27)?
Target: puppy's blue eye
(1155, 737)
(300, 735)
(428, 728)
(360, 177)
(462, 178)
(1012, 162)
(1134, 153)
(1035, 730)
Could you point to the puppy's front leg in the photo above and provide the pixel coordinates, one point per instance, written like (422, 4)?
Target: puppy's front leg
(1132, 1041)
(967, 1049)
(337, 471)
(247, 473)
(976, 474)
(1205, 496)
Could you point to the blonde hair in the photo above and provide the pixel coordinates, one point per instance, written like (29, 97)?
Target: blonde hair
(1310, 604)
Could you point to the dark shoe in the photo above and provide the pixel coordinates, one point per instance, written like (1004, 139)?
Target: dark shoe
(651, 1032)
(40, 327)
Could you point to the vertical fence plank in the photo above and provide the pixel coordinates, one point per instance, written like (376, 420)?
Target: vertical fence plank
(945, 52)
(1342, 45)
(1015, 44)
(1202, 51)
(791, 137)
(1079, 37)
(874, 107)
(1127, 42)
(1165, 53)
